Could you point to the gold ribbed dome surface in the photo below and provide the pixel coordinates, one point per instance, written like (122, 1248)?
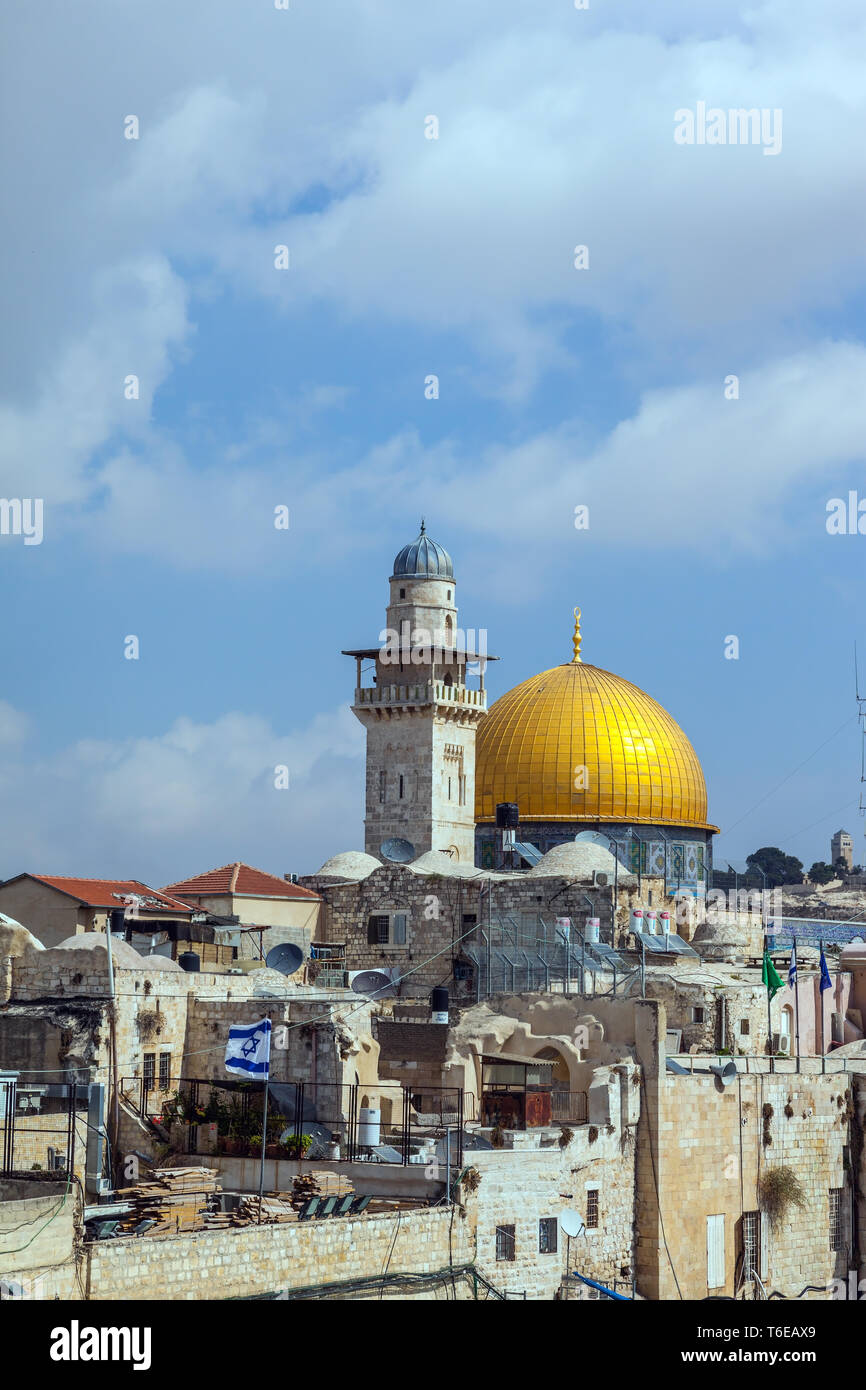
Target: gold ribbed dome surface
(639, 764)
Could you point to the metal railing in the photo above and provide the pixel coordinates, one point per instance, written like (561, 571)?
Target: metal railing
(385, 1123)
(513, 955)
(32, 1122)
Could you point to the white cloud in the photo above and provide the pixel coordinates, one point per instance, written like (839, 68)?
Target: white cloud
(689, 471)
(14, 726)
(556, 128)
(163, 807)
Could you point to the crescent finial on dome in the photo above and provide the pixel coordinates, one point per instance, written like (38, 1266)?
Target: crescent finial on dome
(576, 656)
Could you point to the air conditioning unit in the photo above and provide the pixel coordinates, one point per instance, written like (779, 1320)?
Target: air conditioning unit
(782, 1044)
(600, 880)
(29, 1100)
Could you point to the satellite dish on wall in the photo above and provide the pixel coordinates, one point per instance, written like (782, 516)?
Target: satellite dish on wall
(397, 851)
(287, 958)
(372, 982)
(570, 1222)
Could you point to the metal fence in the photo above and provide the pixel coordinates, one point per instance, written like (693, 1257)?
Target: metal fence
(383, 1123)
(38, 1127)
(512, 954)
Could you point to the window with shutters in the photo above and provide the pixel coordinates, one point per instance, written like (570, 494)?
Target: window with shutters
(505, 1242)
(547, 1231)
(149, 1067)
(716, 1251)
(164, 1070)
(387, 929)
(837, 1225)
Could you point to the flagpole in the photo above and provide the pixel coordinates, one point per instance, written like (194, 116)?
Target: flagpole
(797, 1000)
(821, 1002)
(264, 1130)
(769, 1018)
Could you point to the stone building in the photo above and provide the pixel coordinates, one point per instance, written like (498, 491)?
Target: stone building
(268, 910)
(842, 847)
(419, 712)
(430, 921)
(577, 749)
(56, 907)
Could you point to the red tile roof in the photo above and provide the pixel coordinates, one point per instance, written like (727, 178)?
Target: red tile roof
(239, 878)
(107, 892)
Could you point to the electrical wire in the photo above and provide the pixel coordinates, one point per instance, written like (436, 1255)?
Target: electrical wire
(850, 720)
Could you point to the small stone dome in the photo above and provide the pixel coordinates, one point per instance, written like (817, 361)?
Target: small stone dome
(423, 559)
(721, 941)
(580, 860)
(351, 865)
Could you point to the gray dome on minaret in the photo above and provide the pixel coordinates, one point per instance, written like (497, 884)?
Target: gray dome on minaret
(423, 559)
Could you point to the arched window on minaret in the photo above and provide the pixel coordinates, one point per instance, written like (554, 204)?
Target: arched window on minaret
(449, 631)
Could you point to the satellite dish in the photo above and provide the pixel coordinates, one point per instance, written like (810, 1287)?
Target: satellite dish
(371, 982)
(397, 851)
(592, 837)
(570, 1222)
(287, 958)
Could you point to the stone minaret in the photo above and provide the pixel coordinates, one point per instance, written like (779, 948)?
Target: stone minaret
(419, 713)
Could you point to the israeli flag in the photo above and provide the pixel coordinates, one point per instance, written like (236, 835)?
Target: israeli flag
(248, 1051)
(792, 968)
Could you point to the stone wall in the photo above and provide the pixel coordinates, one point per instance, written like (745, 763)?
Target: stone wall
(524, 1185)
(36, 1238)
(437, 906)
(268, 1259)
(703, 1151)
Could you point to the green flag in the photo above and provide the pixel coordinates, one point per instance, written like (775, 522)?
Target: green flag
(770, 976)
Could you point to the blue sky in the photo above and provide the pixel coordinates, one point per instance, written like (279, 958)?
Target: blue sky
(305, 387)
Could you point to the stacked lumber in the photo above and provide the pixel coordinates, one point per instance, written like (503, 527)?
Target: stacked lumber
(273, 1207)
(330, 1184)
(175, 1200)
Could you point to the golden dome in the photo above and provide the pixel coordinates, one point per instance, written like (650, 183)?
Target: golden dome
(535, 741)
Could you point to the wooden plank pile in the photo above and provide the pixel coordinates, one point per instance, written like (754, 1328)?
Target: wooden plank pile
(284, 1206)
(175, 1200)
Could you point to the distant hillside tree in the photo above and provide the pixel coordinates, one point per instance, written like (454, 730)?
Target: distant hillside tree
(821, 872)
(840, 867)
(780, 868)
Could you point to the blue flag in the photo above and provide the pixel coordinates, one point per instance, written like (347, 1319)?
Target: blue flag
(826, 982)
(792, 967)
(248, 1050)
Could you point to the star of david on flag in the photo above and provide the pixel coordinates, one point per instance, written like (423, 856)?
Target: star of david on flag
(248, 1050)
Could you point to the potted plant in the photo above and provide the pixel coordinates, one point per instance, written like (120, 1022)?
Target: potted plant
(297, 1146)
(255, 1146)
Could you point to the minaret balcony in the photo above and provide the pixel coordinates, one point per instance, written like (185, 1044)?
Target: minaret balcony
(422, 693)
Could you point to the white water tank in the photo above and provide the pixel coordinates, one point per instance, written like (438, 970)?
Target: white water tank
(593, 929)
(369, 1126)
(635, 921)
(665, 923)
(651, 919)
